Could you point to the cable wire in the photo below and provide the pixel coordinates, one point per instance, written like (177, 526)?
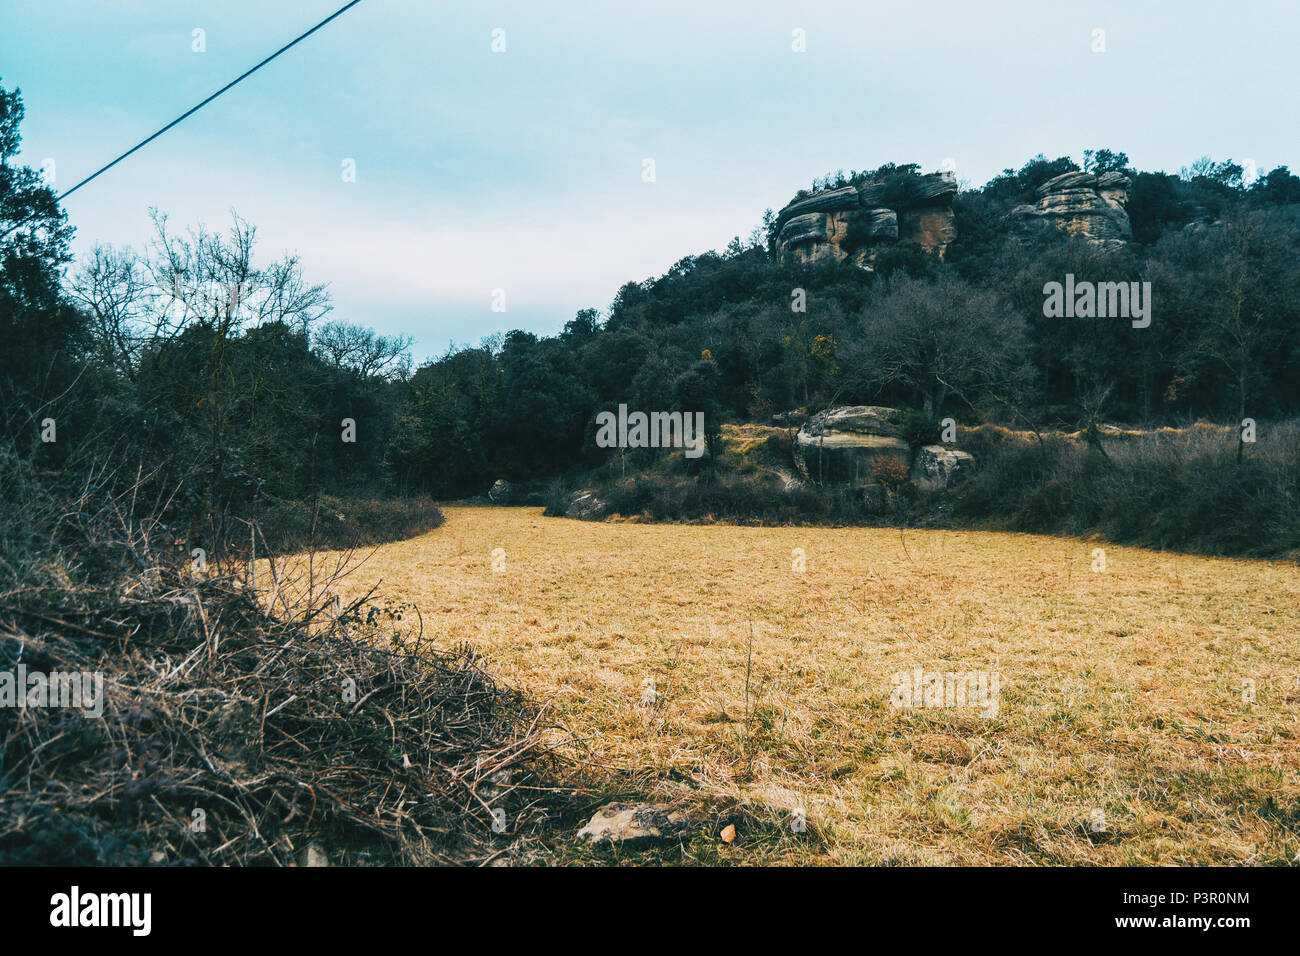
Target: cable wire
(190, 112)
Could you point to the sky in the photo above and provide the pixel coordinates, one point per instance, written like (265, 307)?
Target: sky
(523, 170)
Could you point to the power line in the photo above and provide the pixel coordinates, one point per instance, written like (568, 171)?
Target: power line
(190, 112)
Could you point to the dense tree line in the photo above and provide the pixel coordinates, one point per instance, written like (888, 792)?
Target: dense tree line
(964, 334)
(193, 354)
(189, 369)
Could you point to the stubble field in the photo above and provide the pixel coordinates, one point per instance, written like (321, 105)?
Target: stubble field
(1146, 713)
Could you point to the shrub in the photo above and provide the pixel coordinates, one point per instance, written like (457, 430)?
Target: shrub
(890, 472)
(1171, 488)
(258, 729)
(339, 523)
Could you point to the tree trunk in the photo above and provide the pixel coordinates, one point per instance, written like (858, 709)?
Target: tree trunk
(1241, 414)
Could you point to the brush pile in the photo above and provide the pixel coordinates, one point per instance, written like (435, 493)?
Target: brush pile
(229, 735)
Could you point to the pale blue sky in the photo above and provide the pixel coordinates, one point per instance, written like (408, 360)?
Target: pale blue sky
(522, 170)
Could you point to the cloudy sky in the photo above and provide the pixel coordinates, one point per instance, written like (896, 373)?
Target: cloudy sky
(522, 170)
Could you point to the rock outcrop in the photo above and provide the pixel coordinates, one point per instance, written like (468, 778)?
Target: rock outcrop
(852, 222)
(1080, 204)
(587, 506)
(940, 468)
(841, 444)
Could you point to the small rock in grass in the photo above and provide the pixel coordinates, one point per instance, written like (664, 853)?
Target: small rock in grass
(626, 822)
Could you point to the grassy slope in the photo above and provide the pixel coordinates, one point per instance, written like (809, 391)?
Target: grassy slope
(1122, 690)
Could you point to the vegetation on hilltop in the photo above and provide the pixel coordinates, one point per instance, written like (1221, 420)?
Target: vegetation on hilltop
(222, 378)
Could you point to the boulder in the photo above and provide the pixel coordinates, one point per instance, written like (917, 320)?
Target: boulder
(840, 444)
(500, 491)
(939, 468)
(863, 419)
(627, 823)
(585, 504)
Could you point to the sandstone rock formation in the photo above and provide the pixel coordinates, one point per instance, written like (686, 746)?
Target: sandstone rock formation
(840, 444)
(852, 222)
(843, 444)
(1080, 204)
(939, 468)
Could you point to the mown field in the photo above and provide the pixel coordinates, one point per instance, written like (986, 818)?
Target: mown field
(1125, 732)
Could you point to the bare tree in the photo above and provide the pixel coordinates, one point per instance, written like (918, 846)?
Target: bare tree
(201, 278)
(937, 338)
(112, 289)
(207, 278)
(1237, 329)
(187, 299)
(363, 350)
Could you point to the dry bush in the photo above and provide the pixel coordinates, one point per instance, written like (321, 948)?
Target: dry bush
(321, 724)
(1177, 489)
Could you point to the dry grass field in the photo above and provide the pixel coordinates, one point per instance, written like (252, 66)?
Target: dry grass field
(1125, 730)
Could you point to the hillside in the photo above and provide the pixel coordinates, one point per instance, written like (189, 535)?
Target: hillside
(890, 287)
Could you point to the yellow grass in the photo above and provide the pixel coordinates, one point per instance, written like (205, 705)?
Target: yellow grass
(746, 439)
(1122, 734)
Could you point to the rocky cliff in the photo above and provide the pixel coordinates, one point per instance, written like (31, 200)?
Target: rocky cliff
(852, 222)
(1080, 204)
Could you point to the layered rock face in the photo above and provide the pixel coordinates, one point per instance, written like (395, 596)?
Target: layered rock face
(840, 444)
(843, 444)
(852, 222)
(1080, 204)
